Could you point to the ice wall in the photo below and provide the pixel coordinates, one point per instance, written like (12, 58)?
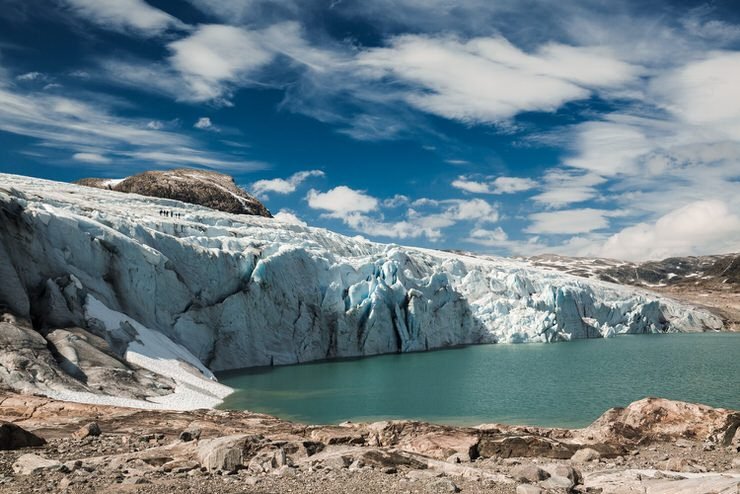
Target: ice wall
(246, 291)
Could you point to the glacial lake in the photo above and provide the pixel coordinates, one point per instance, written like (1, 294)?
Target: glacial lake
(556, 385)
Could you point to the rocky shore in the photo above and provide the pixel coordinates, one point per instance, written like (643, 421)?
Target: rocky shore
(651, 446)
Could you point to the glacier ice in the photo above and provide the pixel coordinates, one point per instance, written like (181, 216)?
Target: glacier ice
(240, 291)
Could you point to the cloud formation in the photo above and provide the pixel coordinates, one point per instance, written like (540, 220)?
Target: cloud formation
(261, 188)
(500, 185)
(135, 16)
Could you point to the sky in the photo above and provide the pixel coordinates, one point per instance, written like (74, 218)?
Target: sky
(509, 127)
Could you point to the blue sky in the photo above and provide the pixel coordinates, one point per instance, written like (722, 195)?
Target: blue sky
(507, 127)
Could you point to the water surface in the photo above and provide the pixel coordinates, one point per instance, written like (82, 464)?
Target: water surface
(557, 385)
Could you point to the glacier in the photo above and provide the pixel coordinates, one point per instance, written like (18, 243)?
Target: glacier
(231, 291)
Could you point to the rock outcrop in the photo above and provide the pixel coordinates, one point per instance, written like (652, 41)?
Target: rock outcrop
(240, 450)
(15, 437)
(205, 188)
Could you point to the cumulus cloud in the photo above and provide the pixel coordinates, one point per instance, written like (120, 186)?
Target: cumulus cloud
(203, 123)
(341, 200)
(500, 185)
(125, 15)
(287, 216)
(489, 79)
(489, 238)
(261, 188)
(701, 227)
(364, 213)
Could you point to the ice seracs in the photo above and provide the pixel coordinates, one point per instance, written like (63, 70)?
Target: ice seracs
(217, 291)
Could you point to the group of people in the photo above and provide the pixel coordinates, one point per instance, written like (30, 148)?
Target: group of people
(169, 214)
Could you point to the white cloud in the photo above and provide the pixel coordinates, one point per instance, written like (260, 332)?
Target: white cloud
(341, 200)
(490, 238)
(609, 147)
(215, 56)
(31, 76)
(286, 216)
(125, 15)
(500, 185)
(155, 125)
(701, 227)
(91, 158)
(281, 185)
(204, 123)
(489, 79)
(89, 127)
(704, 93)
(569, 221)
(563, 187)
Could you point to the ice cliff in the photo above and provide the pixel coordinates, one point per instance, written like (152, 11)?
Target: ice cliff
(229, 291)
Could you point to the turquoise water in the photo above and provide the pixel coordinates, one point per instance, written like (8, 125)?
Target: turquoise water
(557, 385)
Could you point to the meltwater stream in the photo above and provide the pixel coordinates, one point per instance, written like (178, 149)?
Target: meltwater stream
(556, 385)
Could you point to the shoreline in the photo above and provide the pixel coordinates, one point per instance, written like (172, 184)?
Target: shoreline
(652, 442)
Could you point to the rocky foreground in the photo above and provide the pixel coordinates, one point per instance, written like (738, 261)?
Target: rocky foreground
(652, 446)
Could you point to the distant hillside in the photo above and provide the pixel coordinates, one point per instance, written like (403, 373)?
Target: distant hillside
(205, 188)
(708, 281)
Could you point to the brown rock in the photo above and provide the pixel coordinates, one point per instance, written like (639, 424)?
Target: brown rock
(507, 446)
(658, 419)
(87, 430)
(206, 188)
(15, 437)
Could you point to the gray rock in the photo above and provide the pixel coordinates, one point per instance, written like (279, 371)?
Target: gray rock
(190, 435)
(556, 482)
(135, 481)
(568, 472)
(30, 464)
(528, 473)
(442, 486)
(584, 455)
(528, 489)
(16, 437)
(227, 453)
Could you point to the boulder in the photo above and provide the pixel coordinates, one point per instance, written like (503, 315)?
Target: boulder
(88, 430)
(381, 458)
(528, 489)
(507, 446)
(528, 473)
(557, 482)
(16, 437)
(568, 472)
(228, 453)
(189, 435)
(658, 419)
(30, 464)
(442, 486)
(584, 455)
